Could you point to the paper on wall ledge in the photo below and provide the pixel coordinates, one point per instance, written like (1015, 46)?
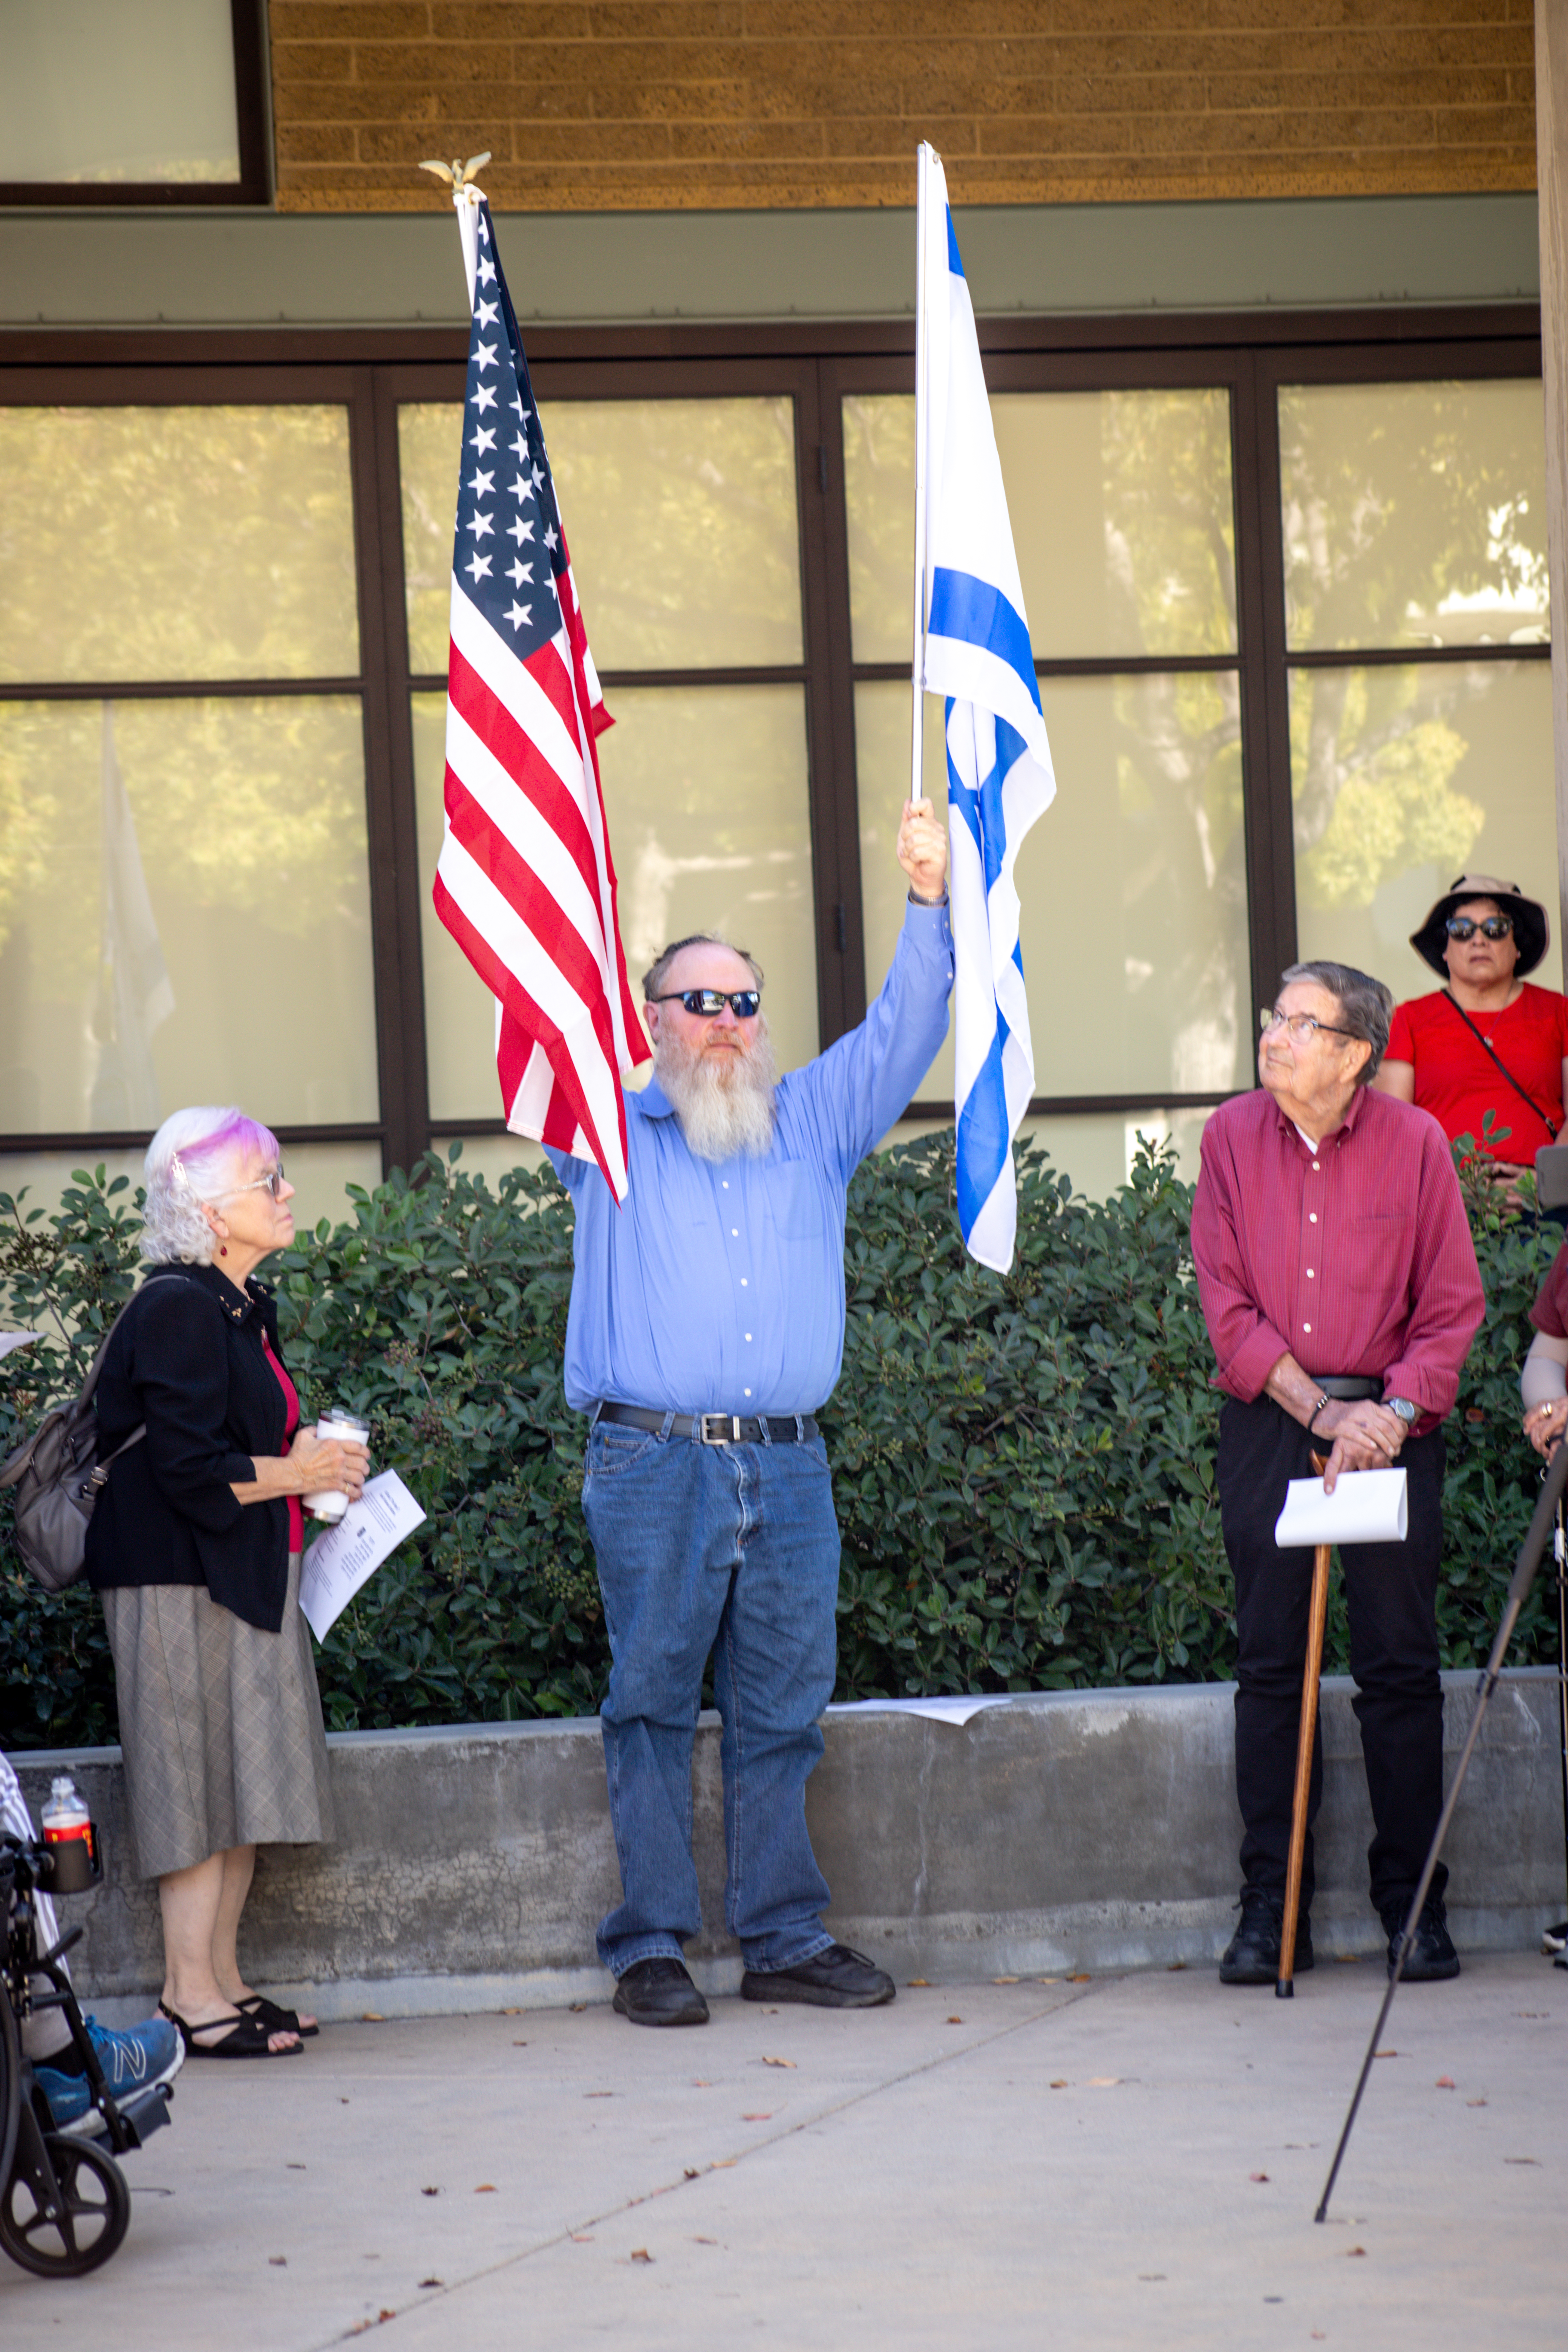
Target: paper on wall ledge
(345, 1556)
(937, 1710)
(1366, 1506)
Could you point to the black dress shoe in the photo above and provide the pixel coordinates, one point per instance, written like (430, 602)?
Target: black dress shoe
(1252, 1955)
(659, 1992)
(835, 1979)
(1432, 1954)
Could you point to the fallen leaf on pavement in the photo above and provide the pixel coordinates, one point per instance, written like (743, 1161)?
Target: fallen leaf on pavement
(1522, 2159)
(919, 1980)
(581, 2236)
(955, 2020)
(1446, 2082)
(278, 2261)
(689, 2173)
(1355, 2250)
(704, 2241)
(385, 2314)
(576, 2007)
(778, 2062)
(371, 2016)
(598, 2095)
(1385, 2053)
(641, 2254)
(1060, 2083)
(519, 2045)
(486, 2189)
(1257, 2176)
(1082, 1978)
(1102, 2081)
(1475, 2103)
(1004, 1980)
(722, 2164)
(432, 2282)
(429, 2193)
(1173, 1967)
(758, 2120)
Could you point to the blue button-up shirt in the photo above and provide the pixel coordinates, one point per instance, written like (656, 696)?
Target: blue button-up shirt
(719, 1286)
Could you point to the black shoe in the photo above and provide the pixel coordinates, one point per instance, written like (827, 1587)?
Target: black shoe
(659, 1992)
(1554, 1940)
(1432, 1954)
(1252, 1955)
(835, 1979)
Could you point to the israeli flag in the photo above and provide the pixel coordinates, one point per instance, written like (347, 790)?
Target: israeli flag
(975, 649)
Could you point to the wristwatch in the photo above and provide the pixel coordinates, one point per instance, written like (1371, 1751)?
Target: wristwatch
(1408, 1414)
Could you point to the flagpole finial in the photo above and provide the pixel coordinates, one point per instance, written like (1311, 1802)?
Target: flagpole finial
(456, 173)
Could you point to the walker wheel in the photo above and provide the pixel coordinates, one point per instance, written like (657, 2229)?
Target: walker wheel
(94, 2215)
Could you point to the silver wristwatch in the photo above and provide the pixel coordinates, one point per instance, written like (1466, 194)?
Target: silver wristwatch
(1408, 1414)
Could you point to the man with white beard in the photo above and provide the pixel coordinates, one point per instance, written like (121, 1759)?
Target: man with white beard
(706, 1329)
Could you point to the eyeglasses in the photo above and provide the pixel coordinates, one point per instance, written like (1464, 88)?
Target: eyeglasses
(743, 1003)
(1491, 926)
(272, 1183)
(1299, 1025)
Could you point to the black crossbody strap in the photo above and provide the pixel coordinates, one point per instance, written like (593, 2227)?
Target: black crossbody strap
(1486, 1046)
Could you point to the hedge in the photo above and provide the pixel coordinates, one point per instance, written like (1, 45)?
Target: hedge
(1024, 1465)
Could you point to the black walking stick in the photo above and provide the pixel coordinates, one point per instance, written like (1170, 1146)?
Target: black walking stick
(1529, 1561)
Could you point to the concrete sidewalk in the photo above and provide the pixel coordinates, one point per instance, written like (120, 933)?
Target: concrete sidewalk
(1116, 2161)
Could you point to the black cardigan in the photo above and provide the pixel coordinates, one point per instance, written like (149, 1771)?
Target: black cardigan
(187, 1359)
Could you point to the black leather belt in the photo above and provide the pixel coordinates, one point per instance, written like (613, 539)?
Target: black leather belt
(714, 1428)
(1347, 1387)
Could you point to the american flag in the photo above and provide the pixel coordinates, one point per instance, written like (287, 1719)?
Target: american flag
(525, 883)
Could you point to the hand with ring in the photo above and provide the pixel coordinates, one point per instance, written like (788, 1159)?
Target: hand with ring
(1545, 1424)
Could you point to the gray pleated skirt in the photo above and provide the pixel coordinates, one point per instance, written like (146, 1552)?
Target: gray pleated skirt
(220, 1723)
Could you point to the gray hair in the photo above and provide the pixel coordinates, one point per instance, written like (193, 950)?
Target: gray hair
(189, 1161)
(657, 972)
(1366, 1006)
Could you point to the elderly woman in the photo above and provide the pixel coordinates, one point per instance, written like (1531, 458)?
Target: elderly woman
(195, 1547)
(1487, 1041)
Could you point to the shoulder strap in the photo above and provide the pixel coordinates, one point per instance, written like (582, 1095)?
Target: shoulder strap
(85, 1393)
(1487, 1047)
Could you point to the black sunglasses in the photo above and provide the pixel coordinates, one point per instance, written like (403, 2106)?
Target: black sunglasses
(1491, 926)
(743, 1003)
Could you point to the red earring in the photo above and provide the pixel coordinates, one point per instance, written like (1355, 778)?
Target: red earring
(223, 1249)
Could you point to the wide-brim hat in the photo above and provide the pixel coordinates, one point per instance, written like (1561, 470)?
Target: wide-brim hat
(1531, 930)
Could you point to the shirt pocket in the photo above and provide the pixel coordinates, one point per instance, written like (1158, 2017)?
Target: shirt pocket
(793, 1202)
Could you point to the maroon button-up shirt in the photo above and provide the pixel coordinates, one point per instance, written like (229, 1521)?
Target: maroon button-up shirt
(1356, 1258)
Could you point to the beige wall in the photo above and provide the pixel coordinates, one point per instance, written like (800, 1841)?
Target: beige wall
(697, 104)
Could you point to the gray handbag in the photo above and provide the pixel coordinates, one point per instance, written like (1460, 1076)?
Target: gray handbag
(58, 1477)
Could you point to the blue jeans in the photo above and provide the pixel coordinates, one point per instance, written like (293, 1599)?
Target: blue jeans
(732, 1550)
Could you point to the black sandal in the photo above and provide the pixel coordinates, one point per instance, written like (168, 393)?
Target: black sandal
(247, 2036)
(276, 2019)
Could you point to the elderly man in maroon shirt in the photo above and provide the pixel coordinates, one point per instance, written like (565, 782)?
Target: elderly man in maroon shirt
(1340, 1288)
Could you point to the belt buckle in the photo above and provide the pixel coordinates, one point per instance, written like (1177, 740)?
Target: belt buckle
(718, 1428)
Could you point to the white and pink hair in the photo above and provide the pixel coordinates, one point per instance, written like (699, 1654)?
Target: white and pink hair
(196, 1155)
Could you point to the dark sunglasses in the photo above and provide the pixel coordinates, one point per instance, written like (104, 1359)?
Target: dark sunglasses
(743, 1003)
(1494, 927)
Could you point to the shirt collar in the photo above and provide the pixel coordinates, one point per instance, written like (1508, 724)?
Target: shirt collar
(651, 1101)
(236, 1304)
(1288, 1125)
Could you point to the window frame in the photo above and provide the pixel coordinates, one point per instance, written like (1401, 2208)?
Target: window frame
(373, 370)
(250, 107)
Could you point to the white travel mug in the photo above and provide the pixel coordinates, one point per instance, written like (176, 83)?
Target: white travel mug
(332, 1502)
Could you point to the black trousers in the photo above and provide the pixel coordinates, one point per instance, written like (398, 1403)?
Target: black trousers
(1391, 1593)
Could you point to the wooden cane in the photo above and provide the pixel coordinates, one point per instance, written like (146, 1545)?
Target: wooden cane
(1285, 1984)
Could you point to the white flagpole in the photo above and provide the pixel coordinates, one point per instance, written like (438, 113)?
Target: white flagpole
(917, 728)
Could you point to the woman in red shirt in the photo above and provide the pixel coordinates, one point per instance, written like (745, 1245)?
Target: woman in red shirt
(1487, 1041)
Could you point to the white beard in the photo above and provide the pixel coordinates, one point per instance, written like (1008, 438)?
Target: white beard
(724, 1103)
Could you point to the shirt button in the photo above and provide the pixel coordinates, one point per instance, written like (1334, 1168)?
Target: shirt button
(1311, 1275)
(744, 1284)
(1306, 1326)
(734, 1232)
(748, 1391)
(1317, 1164)
(725, 1181)
(748, 1335)
(1311, 1216)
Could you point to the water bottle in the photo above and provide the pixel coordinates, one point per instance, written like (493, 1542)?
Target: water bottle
(67, 1834)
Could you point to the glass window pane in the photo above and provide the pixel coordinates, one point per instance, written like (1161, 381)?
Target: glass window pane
(184, 912)
(1133, 885)
(681, 517)
(1414, 514)
(1122, 512)
(1403, 777)
(1097, 1150)
(176, 543)
(95, 90)
(705, 792)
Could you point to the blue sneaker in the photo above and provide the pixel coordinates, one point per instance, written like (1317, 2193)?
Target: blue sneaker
(137, 2060)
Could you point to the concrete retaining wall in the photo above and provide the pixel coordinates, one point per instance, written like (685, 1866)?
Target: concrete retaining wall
(1064, 1830)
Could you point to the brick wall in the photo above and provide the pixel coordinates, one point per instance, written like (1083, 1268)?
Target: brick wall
(595, 105)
